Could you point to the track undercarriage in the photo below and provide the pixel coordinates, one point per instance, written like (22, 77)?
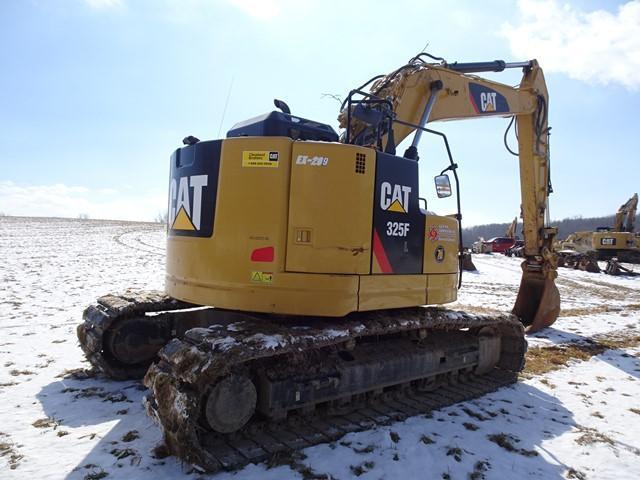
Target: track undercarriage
(231, 388)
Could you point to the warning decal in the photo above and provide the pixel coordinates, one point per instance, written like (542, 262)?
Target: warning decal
(262, 277)
(260, 159)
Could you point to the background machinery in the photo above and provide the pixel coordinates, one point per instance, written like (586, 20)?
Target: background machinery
(511, 231)
(498, 244)
(517, 249)
(620, 241)
(615, 244)
(299, 264)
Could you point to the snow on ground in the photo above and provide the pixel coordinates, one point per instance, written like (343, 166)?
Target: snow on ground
(591, 303)
(582, 421)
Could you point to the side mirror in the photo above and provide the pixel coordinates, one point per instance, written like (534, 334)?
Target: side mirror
(443, 185)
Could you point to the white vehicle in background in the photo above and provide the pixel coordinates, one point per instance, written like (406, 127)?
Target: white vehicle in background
(480, 246)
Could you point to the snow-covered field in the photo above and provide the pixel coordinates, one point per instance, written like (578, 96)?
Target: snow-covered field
(581, 421)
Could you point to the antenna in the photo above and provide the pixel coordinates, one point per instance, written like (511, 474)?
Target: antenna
(224, 111)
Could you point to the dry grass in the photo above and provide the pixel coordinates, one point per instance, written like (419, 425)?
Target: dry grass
(131, 436)
(7, 449)
(45, 423)
(546, 359)
(591, 435)
(361, 469)
(581, 311)
(78, 373)
(426, 440)
(96, 475)
(508, 443)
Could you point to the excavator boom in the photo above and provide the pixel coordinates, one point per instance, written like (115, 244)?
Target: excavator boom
(511, 231)
(626, 215)
(421, 92)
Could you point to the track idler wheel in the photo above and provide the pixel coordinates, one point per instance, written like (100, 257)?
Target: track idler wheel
(538, 301)
(135, 342)
(230, 404)
(489, 348)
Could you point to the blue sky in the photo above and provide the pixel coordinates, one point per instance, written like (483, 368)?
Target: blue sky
(96, 94)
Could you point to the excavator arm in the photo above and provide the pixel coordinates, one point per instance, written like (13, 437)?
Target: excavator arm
(420, 92)
(626, 212)
(511, 231)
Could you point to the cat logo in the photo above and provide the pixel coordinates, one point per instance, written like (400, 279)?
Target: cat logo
(185, 202)
(488, 101)
(394, 198)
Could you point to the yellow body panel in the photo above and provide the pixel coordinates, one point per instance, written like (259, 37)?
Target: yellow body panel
(289, 294)
(441, 245)
(613, 241)
(392, 291)
(250, 213)
(442, 288)
(316, 219)
(328, 193)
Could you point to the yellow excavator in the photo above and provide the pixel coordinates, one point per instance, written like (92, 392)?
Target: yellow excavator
(583, 249)
(304, 278)
(621, 240)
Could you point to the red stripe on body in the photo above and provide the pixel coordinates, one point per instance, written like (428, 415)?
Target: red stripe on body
(380, 254)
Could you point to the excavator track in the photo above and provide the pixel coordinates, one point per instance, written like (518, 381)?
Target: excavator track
(121, 334)
(249, 386)
(629, 256)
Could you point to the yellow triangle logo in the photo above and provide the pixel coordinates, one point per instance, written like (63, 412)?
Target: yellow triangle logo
(396, 206)
(182, 221)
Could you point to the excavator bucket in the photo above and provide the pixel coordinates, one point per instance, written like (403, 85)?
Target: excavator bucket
(467, 262)
(538, 301)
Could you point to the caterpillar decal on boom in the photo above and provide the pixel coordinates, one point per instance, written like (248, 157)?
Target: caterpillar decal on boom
(299, 267)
